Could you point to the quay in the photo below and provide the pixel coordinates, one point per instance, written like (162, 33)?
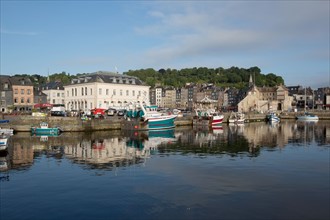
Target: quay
(75, 124)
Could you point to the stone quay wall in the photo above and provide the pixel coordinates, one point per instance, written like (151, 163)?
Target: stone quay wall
(70, 124)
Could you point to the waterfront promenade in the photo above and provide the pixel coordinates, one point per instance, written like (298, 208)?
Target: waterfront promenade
(72, 124)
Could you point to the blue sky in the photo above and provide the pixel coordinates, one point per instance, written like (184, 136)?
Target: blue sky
(287, 38)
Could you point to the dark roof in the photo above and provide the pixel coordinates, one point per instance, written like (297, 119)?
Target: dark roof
(107, 77)
(20, 81)
(56, 85)
(14, 80)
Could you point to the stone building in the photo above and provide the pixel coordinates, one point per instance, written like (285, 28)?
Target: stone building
(264, 99)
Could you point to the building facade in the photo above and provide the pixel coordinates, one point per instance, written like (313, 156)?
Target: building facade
(104, 90)
(55, 93)
(16, 94)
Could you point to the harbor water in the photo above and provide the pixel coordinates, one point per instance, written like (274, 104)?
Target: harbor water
(251, 171)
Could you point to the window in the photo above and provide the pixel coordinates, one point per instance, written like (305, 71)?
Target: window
(15, 100)
(29, 91)
(127, 93)
(67, 93)
(75, 92)
(121, 92)
(100, 91)
(28, 100)
(82, 91)
(16, 91)
(91, 91)
(22, 91)
(72, 92)
(85, 90)
(133, 92)
(58, 94)
(107, 92)
(22, 100)
(114, 92)
(6, 86)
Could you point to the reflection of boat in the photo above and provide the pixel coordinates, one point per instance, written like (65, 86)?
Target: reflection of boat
(307, 117)
(45, 130)
(236, 117)
(151, 139)
(142, 117)
(98, 144)
(3, 161)
(272, 117)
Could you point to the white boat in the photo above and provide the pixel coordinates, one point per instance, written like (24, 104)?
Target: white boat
(307, 117)
(272, 117)
(4, 141)
(8, 131)
(236, 118)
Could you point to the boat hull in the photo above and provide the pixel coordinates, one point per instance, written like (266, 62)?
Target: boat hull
(149, 123)
(307, 118)
(213, 121)
(45, 131)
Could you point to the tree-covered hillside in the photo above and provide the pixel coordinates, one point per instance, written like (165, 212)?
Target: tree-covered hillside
(233, 76)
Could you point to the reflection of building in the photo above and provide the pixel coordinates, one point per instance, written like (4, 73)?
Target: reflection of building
(105, 151)
(21, 154)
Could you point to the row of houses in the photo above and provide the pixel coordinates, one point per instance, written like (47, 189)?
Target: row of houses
(112, 90)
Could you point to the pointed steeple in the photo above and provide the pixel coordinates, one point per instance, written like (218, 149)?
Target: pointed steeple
(251, 81)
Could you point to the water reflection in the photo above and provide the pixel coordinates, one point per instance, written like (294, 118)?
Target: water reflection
(110, 149)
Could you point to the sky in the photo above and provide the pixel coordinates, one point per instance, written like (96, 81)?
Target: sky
(288, 38)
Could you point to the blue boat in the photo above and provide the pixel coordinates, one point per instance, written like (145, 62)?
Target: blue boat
(148, 118)
(45, 130)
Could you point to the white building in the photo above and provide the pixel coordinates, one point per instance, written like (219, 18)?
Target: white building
(104, 90)
(54, 92)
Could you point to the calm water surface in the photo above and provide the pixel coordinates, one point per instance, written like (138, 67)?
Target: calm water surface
(254, 171)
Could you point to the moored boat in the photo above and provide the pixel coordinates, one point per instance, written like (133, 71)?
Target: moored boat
(4, 141)
(208, 117)
(140, 117)
(307, 117)
(236, 118)
(9, 131)
(43, 129)
(272, 117)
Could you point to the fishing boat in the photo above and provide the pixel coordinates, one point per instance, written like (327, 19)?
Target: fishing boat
(147, 117)
(207, 118)
(272, 117)
(236, 118)
(43, 129)
(307, 117)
